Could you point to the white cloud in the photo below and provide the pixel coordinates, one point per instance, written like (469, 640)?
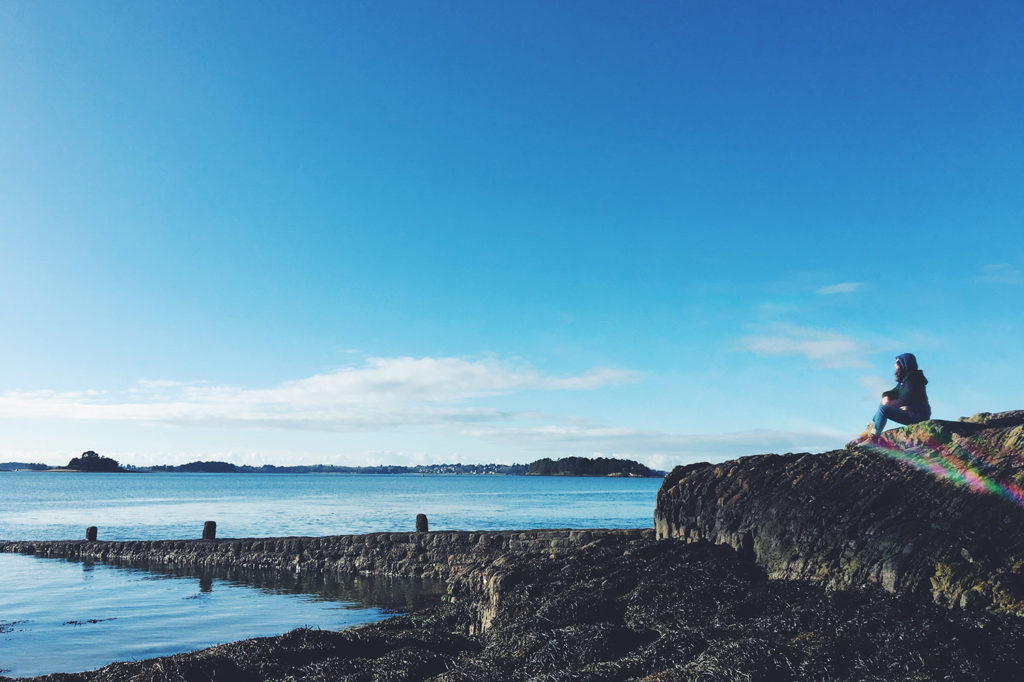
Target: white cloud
(660, 449)
(591, 379)
(1001, 273)
(840, 288)
(826, 348)
(381, 393)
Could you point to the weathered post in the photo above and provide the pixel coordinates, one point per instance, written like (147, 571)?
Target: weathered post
(421, 523)
(210, 530)
(90, 533)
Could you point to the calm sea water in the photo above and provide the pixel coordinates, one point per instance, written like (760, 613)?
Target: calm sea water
(40, 505)
(59, 616)
(62, 616)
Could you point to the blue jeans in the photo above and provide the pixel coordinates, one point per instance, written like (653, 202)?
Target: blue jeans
(897, 415)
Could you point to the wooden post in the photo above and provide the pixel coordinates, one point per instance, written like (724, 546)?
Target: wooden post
(90, 533)
(210, 530)
(421, 523)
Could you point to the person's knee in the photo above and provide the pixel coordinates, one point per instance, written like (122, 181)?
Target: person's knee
(905, 417)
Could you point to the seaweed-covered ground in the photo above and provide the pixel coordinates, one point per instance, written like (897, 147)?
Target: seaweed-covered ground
(627, 607)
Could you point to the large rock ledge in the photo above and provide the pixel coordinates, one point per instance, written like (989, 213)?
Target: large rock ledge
(933, 509)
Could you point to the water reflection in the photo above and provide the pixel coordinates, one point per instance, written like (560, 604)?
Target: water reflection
(391, 594)
(77, 615)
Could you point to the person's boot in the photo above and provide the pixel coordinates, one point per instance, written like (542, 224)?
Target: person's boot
(864, 437)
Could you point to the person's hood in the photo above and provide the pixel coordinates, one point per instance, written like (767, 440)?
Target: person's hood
(908, 365)
(908, 362)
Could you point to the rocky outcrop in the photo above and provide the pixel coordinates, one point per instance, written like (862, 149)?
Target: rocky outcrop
(933, 509)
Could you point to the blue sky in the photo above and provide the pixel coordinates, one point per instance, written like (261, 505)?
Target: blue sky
(369, 233)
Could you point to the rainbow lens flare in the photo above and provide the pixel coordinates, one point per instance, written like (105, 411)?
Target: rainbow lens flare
(959, 461)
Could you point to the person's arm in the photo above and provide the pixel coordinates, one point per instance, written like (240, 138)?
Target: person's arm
(891, 397)
(901, 395)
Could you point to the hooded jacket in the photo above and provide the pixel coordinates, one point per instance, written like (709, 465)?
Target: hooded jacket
(910, 391)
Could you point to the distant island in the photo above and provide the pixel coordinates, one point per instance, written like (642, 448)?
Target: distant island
(91, 461)
(598, 466)
(23, 466)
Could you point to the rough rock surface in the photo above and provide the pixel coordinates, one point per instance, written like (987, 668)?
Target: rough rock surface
(622, 607)
(440, 555)
(934, 509)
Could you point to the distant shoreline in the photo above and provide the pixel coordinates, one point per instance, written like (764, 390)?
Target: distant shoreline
(655, 474)
(599, 467)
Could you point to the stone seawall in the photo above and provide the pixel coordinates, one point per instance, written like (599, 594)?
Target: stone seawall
(472, 564)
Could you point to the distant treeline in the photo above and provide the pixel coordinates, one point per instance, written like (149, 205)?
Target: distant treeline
(568, 466)
(14, 466)
(584, 466)
(88, 461)
(91, 461)
(228, 468)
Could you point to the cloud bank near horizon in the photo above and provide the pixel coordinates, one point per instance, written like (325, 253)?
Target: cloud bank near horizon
(381, 393)
(661, 449)
(446, 395)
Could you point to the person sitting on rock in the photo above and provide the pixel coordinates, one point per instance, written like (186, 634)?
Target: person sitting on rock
(907, 403)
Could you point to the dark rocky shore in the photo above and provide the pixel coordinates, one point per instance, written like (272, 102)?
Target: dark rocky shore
(935, 509)
(876, 562)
